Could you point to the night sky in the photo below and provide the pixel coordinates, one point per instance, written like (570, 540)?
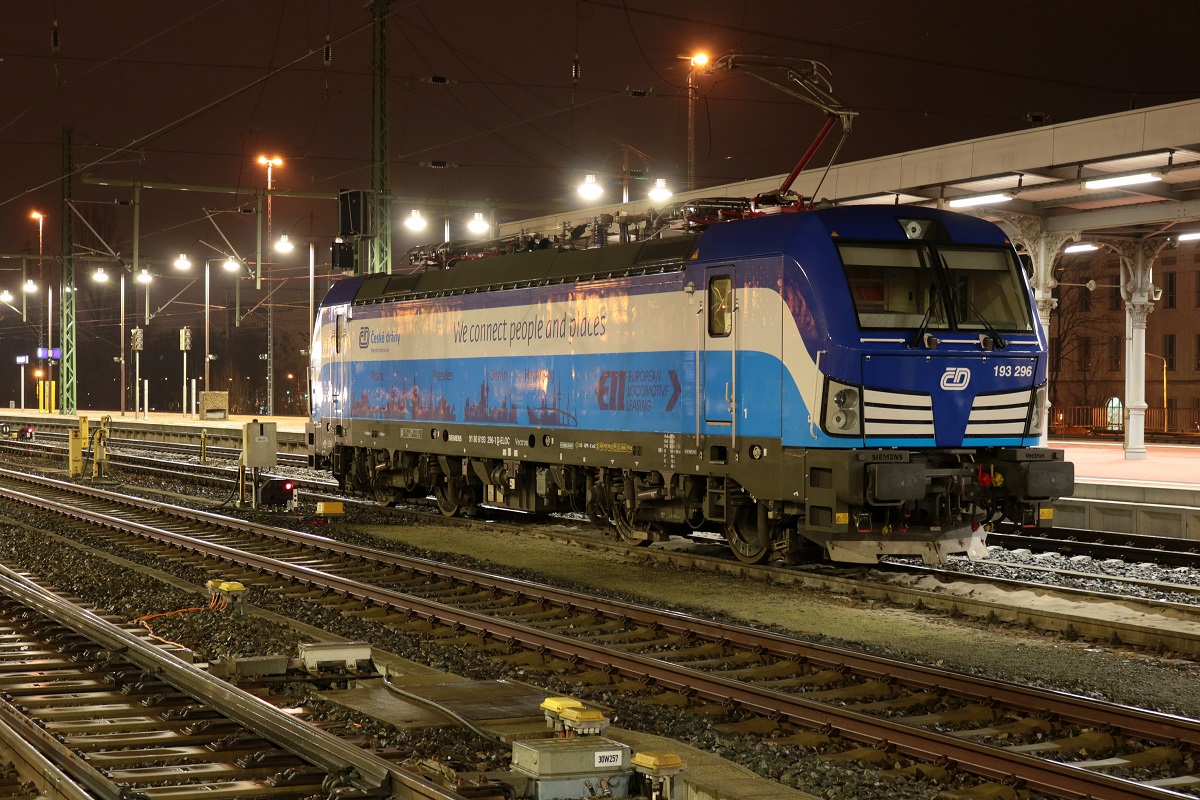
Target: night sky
(191, 93)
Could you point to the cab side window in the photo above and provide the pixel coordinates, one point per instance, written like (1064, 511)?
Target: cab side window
(720, 305)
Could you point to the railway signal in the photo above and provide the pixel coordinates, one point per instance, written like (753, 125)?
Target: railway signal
(278, 492)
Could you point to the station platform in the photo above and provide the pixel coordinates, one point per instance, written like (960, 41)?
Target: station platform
(1167, 465)
(156, 418)
(232, 422)
(162, 426)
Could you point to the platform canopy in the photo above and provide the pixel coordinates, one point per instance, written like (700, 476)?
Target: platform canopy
(1046, 171)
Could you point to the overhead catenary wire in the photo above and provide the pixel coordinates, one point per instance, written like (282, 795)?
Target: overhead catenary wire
(188, 116)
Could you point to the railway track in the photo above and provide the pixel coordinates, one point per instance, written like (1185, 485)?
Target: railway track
(859, 707)
(887, 583)
(97, 710)
(169, 469)
(1132, 548)
(1068, 541)
(1129, 547)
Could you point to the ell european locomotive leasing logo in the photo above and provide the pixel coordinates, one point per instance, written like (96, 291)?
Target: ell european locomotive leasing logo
(955, 379)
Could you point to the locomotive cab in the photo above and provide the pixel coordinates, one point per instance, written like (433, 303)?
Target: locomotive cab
(940, 381)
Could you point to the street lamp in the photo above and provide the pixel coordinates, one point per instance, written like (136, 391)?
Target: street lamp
(590, 189)
(229, 265)
(660, 193)
(270, 162)
(43, 322)
(697, 61)
(22, 361)
(100, 276)
(478, 225)
(415, 221)
(1164, 365)
(284, 245)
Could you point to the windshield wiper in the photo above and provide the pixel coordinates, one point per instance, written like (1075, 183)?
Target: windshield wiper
(921, 335)
(993, 339)
(997, 341)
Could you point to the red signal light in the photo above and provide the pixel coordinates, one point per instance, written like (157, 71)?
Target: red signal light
(277, 492)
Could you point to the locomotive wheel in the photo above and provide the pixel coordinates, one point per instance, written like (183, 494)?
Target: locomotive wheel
(457, 500)
(750, 544)
(386, 495)
(449, 507)
(626, 529)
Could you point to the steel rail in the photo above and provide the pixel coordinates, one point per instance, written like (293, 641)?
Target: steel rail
(1128, 547)
(323, 749)
(20, 733)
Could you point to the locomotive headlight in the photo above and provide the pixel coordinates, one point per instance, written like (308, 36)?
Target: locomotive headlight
(842, 415)
(1035, 412)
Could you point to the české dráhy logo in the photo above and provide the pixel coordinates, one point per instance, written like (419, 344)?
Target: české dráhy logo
(955, 379)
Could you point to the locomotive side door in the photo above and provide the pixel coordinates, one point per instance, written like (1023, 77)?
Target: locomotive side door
(719, 337)
(339, 380)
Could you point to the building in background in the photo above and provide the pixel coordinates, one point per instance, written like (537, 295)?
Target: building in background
(1087, 344)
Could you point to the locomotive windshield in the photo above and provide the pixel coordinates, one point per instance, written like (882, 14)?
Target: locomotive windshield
(985, 290)
(935, 288)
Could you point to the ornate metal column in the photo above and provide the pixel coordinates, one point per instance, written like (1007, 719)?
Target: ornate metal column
(1137, 261)
(1043, 250)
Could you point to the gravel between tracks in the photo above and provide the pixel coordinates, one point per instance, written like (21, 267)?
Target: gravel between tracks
(1118, 675)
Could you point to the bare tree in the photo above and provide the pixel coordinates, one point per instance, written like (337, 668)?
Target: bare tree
(1080, 329)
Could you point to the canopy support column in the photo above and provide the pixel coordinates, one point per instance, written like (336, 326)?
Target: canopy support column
(1042, 248)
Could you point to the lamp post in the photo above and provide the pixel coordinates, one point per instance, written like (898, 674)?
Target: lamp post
(22, 360)
(229, 265)
(29, 287)
(100, 276)
(286, 245)
(696, 61)
(51, 395)
(270, 162)
(40, 218)
(1164, 370)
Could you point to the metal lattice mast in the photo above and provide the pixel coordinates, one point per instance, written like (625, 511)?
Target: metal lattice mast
(381, 242)
(67, 373)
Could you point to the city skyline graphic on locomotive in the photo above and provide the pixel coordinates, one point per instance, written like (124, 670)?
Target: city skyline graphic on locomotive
(849, 382)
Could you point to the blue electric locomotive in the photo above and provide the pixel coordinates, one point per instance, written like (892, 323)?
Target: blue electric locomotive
(857, 381)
